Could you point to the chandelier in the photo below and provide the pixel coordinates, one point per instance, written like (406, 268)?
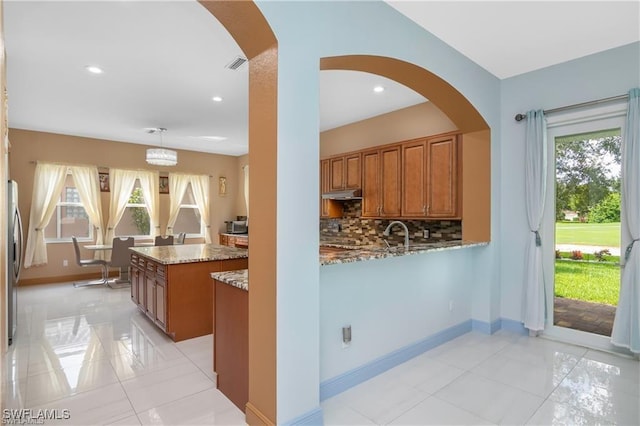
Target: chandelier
(161, 156)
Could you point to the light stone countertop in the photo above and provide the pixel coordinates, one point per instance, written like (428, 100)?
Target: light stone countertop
(190, 253)
(358, 254)
(239, 278)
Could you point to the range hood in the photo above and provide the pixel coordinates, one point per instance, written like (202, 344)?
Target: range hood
(346, 194)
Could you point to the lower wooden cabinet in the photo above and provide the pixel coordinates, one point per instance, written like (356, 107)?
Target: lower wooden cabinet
(239, 240)
(178, 298)
(231, 342)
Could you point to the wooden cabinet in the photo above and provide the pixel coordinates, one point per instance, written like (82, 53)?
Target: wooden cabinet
(381, 182)
(417, 179)
(345, 172)
(430, 178)
(178, 298)
(443, 198)
(239, 240)
(328, 208)
(231, 342)
(414, 179)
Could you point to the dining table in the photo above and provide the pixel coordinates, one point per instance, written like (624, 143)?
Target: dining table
(123, 272)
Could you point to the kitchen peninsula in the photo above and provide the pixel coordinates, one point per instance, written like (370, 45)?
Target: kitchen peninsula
(172, 284)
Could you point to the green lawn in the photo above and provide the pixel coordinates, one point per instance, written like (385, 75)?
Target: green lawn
(589, 281)
(590, 234)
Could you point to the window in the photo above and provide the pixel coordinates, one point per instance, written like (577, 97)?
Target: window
(189, 219)
(70, 218)
(135, 220)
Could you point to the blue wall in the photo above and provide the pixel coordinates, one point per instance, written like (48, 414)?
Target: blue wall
(597, 76)
(306, 32)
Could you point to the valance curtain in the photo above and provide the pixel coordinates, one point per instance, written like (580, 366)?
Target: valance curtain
(200, 188)
(178, 183)
(47, 187)
(534, 303)
(626, 325)
(246, 190)
(88, 185)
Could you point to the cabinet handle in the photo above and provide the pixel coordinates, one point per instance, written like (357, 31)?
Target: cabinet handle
(427, 208)
(424, 209)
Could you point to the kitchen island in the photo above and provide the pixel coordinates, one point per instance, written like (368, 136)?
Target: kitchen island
(231, 335)
(172, 284)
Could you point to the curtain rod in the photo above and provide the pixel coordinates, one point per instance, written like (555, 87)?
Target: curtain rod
(520, 117)
(163, 172)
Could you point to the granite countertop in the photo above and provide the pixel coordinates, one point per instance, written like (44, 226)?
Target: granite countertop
(234, 235)
(362, 253)
(239, 278)
(190, 253)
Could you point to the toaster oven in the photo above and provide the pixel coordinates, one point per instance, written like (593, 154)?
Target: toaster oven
(236, 226)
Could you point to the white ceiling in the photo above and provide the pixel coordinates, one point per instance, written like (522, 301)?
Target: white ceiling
(137, 43)
(508, 38)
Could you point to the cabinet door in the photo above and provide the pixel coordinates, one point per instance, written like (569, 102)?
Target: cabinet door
(390, 179)
(337, 174)
(328, 208)
(353, 174)
(135, 275)
(371, 184)
(414, 184)
(161, 304)
(150, 305)
(442, 177)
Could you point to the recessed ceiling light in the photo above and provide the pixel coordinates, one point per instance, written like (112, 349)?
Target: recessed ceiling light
(94, 69)
(378, 89)
(217, 99)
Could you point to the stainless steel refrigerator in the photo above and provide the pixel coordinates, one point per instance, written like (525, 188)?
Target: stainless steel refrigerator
(14, 263)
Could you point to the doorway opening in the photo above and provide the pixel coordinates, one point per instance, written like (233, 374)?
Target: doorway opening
(587, 230)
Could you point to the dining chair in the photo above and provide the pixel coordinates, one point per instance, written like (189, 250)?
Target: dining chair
(87, 263)
(164, 241)
(181, 237)
(121, 258)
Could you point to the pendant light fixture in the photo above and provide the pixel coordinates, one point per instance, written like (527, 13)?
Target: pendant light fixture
(161, 156)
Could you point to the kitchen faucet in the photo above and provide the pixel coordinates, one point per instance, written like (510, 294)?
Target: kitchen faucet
(406, 232)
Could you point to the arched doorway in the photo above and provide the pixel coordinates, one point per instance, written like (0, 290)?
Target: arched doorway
(476, 144)
(249, 28)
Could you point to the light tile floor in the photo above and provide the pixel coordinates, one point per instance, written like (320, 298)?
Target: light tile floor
(90, 351)
(500, 379)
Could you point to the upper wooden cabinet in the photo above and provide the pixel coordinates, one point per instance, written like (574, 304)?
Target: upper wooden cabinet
(442, 177)
(381, 182)
(430, 178)
(414, 179)
(417, 179)
(328, 208)
(345, 172)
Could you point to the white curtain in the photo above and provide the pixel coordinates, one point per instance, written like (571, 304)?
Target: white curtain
(88, 186)
(178, 184)
(200, 188)
(534, 303)
(121, 182)
(246, 190)
(626, 326)
(150, 185)
(47, 187)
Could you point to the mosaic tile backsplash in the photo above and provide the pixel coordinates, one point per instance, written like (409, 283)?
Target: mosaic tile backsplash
(351, 229)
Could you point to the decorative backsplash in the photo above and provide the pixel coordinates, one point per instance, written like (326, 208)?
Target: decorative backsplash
(351, 229)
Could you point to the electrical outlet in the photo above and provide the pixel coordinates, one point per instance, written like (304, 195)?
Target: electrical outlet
(65, 262)
(426, 233)
(346, 336)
